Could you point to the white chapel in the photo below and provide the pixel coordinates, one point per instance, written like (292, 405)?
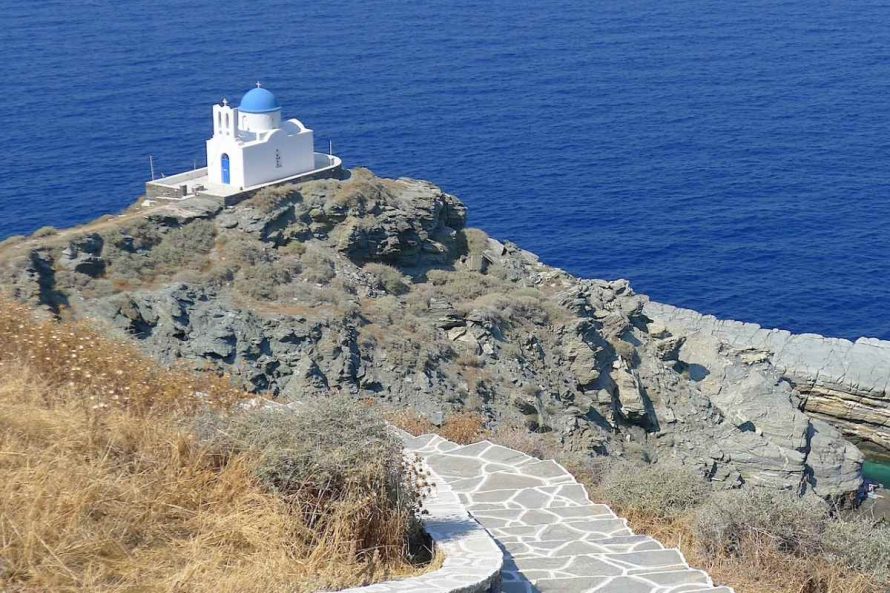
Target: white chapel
(251, 145)
(251, 148)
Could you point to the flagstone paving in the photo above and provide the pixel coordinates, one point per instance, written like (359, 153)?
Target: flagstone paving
(553, 538)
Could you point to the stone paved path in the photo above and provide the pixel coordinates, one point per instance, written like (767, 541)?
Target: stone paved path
(554, 539)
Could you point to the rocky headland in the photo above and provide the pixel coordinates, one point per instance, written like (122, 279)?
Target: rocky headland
(376, 288)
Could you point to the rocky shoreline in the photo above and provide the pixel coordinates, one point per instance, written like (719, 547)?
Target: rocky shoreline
(376, 288)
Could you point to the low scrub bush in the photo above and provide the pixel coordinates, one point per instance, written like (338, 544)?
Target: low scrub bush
(410, 421)
(735, 519)
(46, 231)
(476, 241)
(664, 490)
(336, 461)
(294, 247)
(261, 282)
(539, 445)
(11, 240)
(388, 278)
(317, 266)
(513, 307)
(324, 445)
(464, 285)
(272, 198)
(464, 428)
(184, 245)
(238, 249)
(859, 545)
(154, 254)
(768, 540)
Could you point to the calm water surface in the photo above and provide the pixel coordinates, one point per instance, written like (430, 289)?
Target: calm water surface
(730, 157)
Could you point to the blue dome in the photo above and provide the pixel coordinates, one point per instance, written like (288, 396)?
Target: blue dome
(258, 100)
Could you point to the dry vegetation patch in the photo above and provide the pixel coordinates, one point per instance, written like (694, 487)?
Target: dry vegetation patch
(462, 427)
(109, 482)
(753, 540)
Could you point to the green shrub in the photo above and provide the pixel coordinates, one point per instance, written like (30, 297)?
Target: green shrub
(261, 282)
(538, 445)
(317, 266)
(624, 349)
(525, 304)
(323, 450)
(754, 516)
(272, 198)
(238, 250)
(297, 248)
(464, 285)
(664, 490)
(387, 277)
(184, 247)
(859, 545)
(476, 241)
(46, 231)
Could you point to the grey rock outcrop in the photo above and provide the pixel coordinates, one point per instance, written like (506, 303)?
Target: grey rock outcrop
(777, 444)
(845, 383)
(82, 255)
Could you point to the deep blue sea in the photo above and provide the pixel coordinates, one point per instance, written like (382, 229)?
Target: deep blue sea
(729, 157)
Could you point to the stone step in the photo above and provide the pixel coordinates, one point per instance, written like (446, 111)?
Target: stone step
(546, 497)
(494, 453)
(519, 548)
(677, 581)
(477, 460)
(623, 564)
(525, 586)
(501, 517)
(588, 530)
(512, 479)
(544, 470)
(427, 444)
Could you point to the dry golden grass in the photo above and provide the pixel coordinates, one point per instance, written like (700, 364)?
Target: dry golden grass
(103, 486)
(462, 428)
(410, 421)
(520, 438)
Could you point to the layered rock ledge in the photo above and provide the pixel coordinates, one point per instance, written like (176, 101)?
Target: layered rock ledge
(845, 383)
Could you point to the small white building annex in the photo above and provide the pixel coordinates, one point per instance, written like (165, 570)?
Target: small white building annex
(251, 145)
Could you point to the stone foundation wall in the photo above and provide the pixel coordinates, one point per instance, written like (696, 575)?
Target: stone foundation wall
(153, 190)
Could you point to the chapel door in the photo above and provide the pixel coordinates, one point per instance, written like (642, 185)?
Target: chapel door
(226, 176)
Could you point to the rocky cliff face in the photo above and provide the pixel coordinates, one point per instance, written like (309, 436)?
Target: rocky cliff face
(845, 383)
(375, 287)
